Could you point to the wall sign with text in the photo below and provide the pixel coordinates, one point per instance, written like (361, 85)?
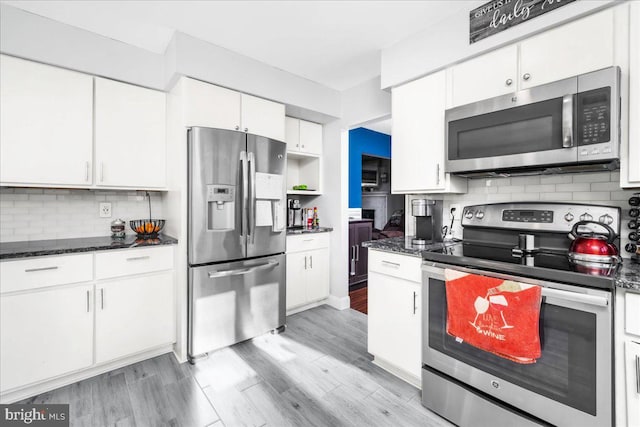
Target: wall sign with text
(498, 15)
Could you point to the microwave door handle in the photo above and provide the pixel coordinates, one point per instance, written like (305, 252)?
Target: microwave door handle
(567, 121)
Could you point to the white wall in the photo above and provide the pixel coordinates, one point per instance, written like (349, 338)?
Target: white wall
(599, 188)
(365, 102)
(41, 39)
(448, 41)
(40, 214)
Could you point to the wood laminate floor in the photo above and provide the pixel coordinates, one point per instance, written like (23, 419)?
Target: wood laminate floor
(358, 299)
(317, 373)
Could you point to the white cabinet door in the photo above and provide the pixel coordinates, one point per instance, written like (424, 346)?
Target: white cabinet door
(317, 280)
(632, 367)
(129, 135)
(133, 315)
(210, 106)
(394, 321)
(296, 279)
(292, 134)
(262, 117)
(45, 334)
(310, 137)
(489, 75)
(417, 152)
(46, 124)
(633, 160)
(581, 46)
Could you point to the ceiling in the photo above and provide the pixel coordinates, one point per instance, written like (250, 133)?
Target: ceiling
(335, 43)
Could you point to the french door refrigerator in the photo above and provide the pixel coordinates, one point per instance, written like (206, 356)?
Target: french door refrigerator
(236, 240)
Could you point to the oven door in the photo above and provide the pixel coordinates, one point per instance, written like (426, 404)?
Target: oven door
(533, 127)
(570, 384)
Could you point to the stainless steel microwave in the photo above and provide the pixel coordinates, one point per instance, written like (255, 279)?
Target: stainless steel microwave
(571, 122)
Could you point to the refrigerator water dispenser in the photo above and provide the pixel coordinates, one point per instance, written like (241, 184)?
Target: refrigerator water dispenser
(221, 207)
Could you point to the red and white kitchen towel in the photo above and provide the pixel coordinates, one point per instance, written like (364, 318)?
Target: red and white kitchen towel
(494, 315)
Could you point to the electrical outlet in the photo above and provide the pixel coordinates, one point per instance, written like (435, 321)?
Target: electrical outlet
(105, 210)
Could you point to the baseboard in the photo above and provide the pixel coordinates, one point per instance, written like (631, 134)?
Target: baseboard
(22, 393)
(339, 303)
(400, 373)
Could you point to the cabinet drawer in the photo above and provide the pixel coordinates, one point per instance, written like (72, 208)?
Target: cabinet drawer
(33, 273)
(402, 266)
(133, 261)
(632, 313)
(308, 241)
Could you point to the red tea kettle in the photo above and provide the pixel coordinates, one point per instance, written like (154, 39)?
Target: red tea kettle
(593, 252)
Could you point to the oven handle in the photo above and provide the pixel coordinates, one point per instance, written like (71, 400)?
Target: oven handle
(437, 272)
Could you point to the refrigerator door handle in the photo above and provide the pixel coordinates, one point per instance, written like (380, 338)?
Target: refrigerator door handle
(245, 192)
(239, 271)
(252, 202)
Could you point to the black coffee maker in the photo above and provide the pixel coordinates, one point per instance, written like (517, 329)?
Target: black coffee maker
(428, 221)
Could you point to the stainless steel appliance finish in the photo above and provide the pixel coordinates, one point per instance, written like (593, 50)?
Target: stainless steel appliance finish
(428, 221)
(571, 383)
(236, 217)
(232, 302)
(572, 122)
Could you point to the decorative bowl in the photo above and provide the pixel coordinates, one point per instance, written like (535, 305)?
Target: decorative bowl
(147, 228)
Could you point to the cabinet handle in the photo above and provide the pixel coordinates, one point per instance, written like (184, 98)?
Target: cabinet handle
(86, 171)
(526, 76)
(237, 127)
(246, 129)
(305, 262)
(31, 270)
(352, 264)
(357, 253)
(509, 82)
(101, 172)
(414, 302)
(102, 299)
(311, 261)
(137, 258)
(297, 145)
(88, 308)
(390, 264)
(308, 240)
(437, 173)
(638, 374)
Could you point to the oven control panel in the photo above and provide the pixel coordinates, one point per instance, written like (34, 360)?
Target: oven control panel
(527, 215)
(542, 216)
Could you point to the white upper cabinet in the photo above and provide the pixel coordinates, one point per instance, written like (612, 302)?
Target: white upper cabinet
(212, 106)
(417, 151)
(46, 124)
(630, 171)
(262, 117)
(489, 75)
(130, 140)
(303, 137)
(578, 47)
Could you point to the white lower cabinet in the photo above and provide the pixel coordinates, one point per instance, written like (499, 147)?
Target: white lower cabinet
(394, 313)
(307, 269)
(632, 365)
(62, 317)
(133, 315)
(45, 334)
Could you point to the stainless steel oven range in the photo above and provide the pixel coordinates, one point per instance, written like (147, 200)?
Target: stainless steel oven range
(571, 382)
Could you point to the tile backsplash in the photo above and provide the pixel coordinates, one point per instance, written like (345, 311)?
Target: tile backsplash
(40, 214)
(599, 188)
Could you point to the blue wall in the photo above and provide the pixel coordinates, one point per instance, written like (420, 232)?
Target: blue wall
(364, 141)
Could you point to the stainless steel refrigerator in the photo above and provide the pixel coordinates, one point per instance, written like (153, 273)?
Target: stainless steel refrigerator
(236, 242)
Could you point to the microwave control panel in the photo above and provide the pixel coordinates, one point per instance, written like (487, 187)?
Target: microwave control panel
(594, 116)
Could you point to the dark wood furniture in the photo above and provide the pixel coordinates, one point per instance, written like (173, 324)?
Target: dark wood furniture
(359, 231)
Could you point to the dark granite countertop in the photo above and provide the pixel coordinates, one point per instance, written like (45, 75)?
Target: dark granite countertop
(628, 277)
(401, 245)
(294, 231)
(14, 250)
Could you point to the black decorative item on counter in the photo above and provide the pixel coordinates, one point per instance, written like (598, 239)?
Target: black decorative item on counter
(633, 247)
(147, 228)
